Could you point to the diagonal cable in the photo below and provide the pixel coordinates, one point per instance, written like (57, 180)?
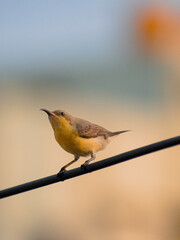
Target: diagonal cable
(92, 167)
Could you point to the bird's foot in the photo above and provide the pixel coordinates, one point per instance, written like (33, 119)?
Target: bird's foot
(84, 166)
(60, 173)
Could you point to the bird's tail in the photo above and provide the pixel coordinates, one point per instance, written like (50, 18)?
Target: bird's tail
(111, 134)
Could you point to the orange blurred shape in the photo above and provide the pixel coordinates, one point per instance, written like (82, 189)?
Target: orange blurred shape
(158, 28)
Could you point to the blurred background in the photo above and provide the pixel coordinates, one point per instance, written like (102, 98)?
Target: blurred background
(115, 63)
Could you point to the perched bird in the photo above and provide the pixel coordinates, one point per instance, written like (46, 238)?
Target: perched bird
(78, 137)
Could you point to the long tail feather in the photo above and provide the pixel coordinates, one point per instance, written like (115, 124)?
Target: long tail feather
(116, 133)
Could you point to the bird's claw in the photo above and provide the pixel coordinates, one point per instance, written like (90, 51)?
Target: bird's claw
(60, 173)
(84, 166)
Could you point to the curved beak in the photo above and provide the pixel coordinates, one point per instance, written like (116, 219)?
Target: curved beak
(49, 113)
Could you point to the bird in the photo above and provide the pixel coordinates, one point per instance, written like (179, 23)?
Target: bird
(78, 137)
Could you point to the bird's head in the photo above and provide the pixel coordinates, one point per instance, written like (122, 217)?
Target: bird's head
(59, 118)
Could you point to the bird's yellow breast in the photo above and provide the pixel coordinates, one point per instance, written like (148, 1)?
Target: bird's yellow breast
(68, 138)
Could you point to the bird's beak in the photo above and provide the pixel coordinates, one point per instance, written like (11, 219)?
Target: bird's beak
(49, 113)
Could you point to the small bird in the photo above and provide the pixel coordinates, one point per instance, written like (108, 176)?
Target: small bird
(78, 137)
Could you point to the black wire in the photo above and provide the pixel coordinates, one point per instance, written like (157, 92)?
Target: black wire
(91, 168)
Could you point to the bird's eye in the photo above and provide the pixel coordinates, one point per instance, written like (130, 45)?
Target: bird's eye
(62, 114)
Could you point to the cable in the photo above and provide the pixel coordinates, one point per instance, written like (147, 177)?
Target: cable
(92, 167)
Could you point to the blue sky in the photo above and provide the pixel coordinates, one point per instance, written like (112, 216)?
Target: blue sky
(36, 30)
(46, 30)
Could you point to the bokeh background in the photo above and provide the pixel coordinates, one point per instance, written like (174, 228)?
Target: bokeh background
(115, 63)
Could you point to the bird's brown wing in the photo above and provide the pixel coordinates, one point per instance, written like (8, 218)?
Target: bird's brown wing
(90, 130)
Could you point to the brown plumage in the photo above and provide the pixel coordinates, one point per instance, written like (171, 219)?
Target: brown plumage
(90, 130)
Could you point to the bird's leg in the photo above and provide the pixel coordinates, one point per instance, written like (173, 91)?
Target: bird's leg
(93, 156)
(67, 165)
